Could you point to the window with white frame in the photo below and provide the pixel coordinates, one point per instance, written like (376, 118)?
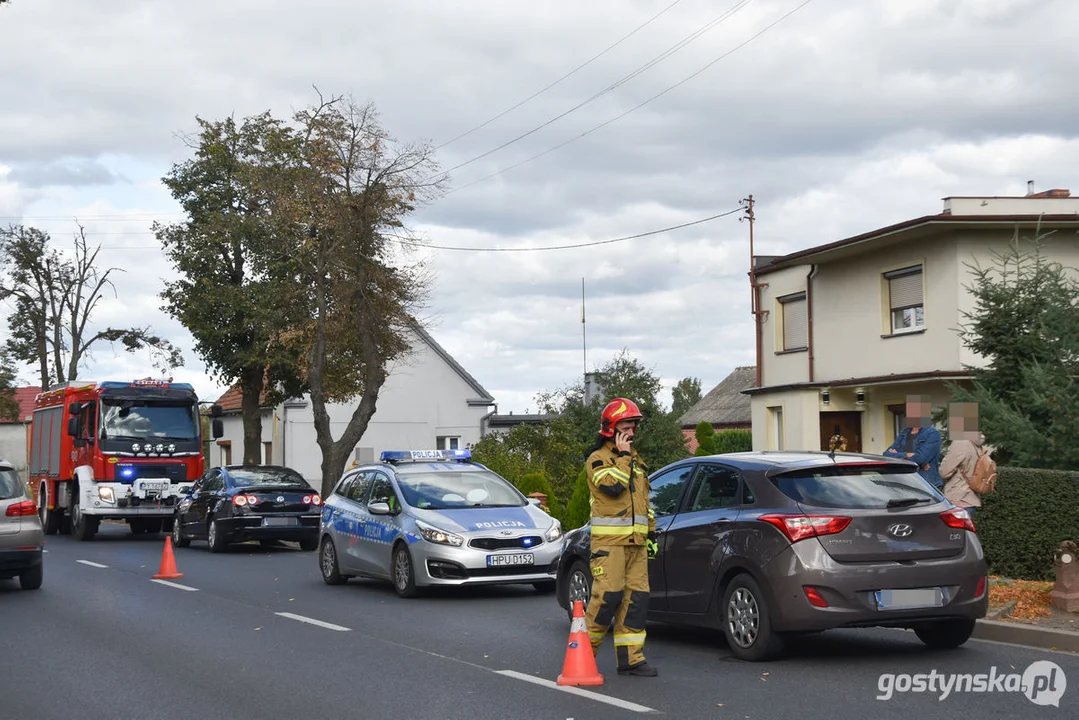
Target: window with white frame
(905, 302)
(775, 428)
(446, 442)
(795, 323)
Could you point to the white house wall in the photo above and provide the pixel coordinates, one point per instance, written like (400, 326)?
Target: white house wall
(423, 399)
(13, 446)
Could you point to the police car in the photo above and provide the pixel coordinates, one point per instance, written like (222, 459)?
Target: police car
(434, 517)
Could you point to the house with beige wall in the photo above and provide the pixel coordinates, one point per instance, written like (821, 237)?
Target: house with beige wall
(847, 330)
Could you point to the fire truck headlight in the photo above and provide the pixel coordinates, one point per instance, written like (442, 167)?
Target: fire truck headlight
(105, 493)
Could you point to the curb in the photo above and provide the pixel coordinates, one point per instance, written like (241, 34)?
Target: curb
(1028, 635)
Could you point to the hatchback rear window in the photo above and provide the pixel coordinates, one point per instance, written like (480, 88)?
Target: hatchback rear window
(10, 484)
(857, 487)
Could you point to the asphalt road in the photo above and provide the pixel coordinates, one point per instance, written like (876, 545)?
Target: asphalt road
(255, 633)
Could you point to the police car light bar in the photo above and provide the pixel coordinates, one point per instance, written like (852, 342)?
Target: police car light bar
(398, 455)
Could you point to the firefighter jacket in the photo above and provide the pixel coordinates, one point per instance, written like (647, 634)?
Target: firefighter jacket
(620, 507)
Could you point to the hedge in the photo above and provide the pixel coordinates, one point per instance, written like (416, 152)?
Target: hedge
(1023, 522)
(538, 483)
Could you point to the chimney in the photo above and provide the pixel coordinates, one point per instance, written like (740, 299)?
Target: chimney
(1030, 188)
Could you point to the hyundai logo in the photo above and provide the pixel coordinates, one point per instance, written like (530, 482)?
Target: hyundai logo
(507, 532)
(900, 530)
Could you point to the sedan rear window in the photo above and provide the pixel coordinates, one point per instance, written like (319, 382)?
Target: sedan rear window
(250, 477)
(857, 487)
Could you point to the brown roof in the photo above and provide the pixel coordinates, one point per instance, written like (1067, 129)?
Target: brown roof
(928, 222)
(24, 396)
(945, 375)
(231, 400)
(725, 404)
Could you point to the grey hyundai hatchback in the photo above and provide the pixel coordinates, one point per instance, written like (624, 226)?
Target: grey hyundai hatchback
(21, 538)
(766, 544)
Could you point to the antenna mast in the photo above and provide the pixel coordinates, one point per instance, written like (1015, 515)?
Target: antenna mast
(584, 340)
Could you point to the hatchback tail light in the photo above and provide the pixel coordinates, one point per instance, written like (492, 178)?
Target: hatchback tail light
(958, 518)
(800, 527)
(25, 508)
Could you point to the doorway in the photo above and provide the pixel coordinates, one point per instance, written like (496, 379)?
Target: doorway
(845, 423)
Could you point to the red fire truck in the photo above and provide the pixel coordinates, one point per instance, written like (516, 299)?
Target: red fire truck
(124, 450)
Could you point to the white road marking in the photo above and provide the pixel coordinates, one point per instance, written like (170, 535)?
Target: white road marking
(91, 564)
(178, 586)
(624, 704)
(312, 621)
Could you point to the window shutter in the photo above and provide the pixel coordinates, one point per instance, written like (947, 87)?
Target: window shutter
(795, 327)
(905, 290)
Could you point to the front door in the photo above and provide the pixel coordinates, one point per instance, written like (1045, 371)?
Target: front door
(847, 424)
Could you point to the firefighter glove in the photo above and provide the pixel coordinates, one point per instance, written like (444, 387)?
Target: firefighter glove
(652, 545)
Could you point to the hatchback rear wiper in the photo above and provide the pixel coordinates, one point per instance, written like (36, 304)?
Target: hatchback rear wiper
(907, 502)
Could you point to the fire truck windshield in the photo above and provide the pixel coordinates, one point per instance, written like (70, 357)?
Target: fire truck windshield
(148, 418)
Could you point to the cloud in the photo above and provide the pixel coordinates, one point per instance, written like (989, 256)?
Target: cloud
(840, 119)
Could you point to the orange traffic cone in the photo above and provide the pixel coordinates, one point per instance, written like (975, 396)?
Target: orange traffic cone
(168, 563)
(580, 665)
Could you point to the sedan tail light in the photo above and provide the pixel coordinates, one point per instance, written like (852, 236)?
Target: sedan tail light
(312, 500)
(239, 500)
(800, 527)
(958, 518)
(25, 508)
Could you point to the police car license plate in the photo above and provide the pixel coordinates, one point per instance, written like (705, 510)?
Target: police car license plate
(911, 598)
(508, 560)
(278, 521)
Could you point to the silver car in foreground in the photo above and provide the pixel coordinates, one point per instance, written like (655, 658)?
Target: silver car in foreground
(432, 517)
(21, 538)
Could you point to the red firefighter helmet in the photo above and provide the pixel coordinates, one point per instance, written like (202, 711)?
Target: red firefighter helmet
(617, 410)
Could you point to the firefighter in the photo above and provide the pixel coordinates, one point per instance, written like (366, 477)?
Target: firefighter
(623, 538)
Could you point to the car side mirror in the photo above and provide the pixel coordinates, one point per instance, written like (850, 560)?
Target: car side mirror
(534, 501)
(379, 508)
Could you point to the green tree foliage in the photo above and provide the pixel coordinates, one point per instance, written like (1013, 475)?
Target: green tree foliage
(54, 297)
(1025, 322)
(578, 510)
(732, 441)
(549, 448)
(537, 483)
(9, 409)
(227, 191)
(706, 439)
(685, 395)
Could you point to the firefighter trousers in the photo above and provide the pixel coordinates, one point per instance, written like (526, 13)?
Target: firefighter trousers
(619, 596)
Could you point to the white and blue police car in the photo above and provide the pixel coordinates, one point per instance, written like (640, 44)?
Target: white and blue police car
(421, 518)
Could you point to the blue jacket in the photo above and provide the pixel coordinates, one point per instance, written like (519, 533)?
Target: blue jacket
(926, 451)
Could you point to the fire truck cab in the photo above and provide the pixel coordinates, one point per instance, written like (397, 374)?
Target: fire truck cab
(115, 450)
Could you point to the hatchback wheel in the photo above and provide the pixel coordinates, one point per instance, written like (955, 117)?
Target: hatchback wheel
(578, 586)
(747, 622)
(30, 578)
(404, 574)
(327, 563)
(945, 634)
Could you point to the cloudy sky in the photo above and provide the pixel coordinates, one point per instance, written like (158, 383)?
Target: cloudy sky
(838, 117)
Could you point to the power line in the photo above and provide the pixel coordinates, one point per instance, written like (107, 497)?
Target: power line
(633, 109)
(413, 243)
(564, 77)
(654, 61)
(418, 244)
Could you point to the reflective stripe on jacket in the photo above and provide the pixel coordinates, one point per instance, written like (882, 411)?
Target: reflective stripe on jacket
(618, 486)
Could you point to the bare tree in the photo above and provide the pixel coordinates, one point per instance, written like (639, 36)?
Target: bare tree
(53, 300)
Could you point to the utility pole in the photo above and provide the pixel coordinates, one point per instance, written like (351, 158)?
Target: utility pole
(584, 339)
(754, 298)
